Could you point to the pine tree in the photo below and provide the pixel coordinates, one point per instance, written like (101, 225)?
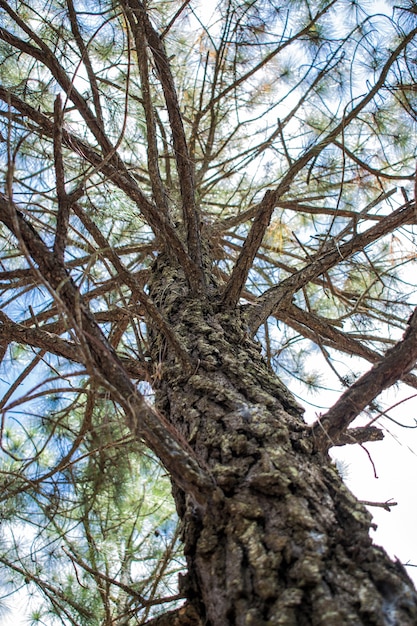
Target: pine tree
(194, 199)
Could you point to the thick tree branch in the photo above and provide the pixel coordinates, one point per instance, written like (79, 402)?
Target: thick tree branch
(320, 330)
(38, 338)
(144, 421)
(151, 143)
(184, 164)
(52, 343)
(154, 315)
(62, 220)
(249, 249)
(281, 295)
(397, 361)
(158, 221)
(359, 435)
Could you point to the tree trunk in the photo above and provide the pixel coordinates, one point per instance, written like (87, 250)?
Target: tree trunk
(288, 543)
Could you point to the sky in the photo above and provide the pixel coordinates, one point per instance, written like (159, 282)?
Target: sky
(396, 467)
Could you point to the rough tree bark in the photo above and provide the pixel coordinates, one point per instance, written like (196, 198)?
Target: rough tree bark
(286, 542)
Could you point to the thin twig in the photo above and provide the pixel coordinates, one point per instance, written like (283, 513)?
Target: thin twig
(383, 505)
(62, 220)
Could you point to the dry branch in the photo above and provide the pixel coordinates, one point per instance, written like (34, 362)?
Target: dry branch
(244, 262)
(185, 166)
(144, 421)
(158, 221)
(397, 361)
(280, 297)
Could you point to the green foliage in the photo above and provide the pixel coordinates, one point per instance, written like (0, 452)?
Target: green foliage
(88, 520)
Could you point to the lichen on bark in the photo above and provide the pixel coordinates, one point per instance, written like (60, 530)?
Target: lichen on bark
(286, 543)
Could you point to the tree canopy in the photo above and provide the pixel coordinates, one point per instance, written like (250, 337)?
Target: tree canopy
(269, 149)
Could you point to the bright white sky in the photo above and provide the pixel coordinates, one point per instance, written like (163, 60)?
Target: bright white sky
(396, 466)
(395, 463)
